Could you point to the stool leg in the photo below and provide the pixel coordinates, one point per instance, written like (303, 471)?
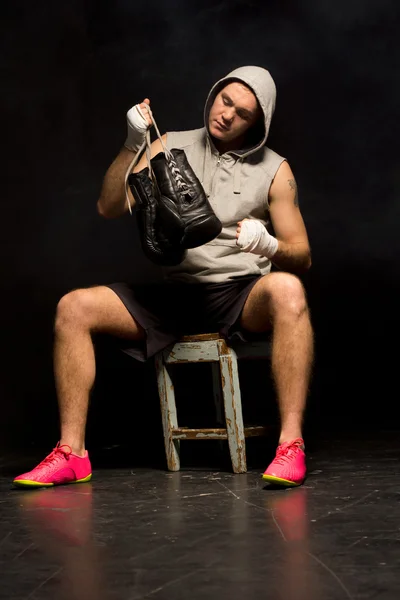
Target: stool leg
(233, 407)
(168, 412)
(218, 402)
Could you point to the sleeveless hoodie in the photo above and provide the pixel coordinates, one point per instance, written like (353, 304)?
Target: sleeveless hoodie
(237, 185)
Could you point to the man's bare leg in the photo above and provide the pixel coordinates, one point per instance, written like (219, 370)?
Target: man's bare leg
(278, 301)
(80, 314)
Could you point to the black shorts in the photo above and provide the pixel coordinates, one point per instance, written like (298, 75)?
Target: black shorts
(169, 310)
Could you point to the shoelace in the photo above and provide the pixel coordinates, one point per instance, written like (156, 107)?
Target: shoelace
(285, 453)
(56, 454)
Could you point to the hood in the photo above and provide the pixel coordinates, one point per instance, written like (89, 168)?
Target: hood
(261, 83)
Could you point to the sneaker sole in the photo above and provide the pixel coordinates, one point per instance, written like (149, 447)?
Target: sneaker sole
(31, 484)
(285, 482)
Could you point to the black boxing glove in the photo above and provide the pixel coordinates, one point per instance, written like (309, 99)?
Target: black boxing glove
(179, 186)
(159, 226)
(173, 212)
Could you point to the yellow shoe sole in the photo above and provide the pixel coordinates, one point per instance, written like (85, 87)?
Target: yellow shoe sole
(35, 484)
(278, 480)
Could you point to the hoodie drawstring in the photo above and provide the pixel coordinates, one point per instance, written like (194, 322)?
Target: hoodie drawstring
(206, 172)
(237, 176)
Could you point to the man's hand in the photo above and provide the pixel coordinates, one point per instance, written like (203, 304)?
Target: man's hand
(138, 122)
(252, 236)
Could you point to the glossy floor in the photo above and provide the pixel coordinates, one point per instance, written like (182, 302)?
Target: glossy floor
(146, 533)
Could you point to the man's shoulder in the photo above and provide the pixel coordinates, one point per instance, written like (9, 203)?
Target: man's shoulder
(182, 139)
(271, 154)
(271, 160)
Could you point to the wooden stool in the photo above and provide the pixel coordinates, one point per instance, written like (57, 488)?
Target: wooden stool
(223, 358)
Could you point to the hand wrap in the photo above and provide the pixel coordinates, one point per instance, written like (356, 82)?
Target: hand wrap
(137, 128)
(255, 238)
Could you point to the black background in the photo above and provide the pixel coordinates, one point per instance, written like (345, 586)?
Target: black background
(71, 70)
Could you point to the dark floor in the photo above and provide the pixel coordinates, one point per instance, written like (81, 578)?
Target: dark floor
(146, 533)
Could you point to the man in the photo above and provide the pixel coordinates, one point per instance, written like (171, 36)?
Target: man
(225, 284)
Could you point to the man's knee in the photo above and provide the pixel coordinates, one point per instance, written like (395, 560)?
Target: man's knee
(286, 294)
(74, 310)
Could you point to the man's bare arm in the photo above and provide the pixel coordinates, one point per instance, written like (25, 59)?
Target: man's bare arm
(294, 258)
(112, 201)
(293, 253)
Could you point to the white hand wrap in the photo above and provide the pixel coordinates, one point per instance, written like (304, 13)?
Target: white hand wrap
(137, 128)
(255, 238)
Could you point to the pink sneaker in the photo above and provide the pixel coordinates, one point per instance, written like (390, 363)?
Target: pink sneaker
(289, 465)
(59, 467)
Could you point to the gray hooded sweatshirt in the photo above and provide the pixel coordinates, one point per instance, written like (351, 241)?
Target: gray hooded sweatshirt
(237, 184)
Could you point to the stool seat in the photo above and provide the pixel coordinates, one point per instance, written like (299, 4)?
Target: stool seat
(199, 337)
(209, 347)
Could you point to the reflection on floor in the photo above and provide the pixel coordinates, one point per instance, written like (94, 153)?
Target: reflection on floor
(146, 533)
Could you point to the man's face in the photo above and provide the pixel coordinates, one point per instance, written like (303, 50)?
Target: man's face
(234, 111)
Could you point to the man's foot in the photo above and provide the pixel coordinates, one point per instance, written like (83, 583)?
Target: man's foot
(289, 465)
(59, 467)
